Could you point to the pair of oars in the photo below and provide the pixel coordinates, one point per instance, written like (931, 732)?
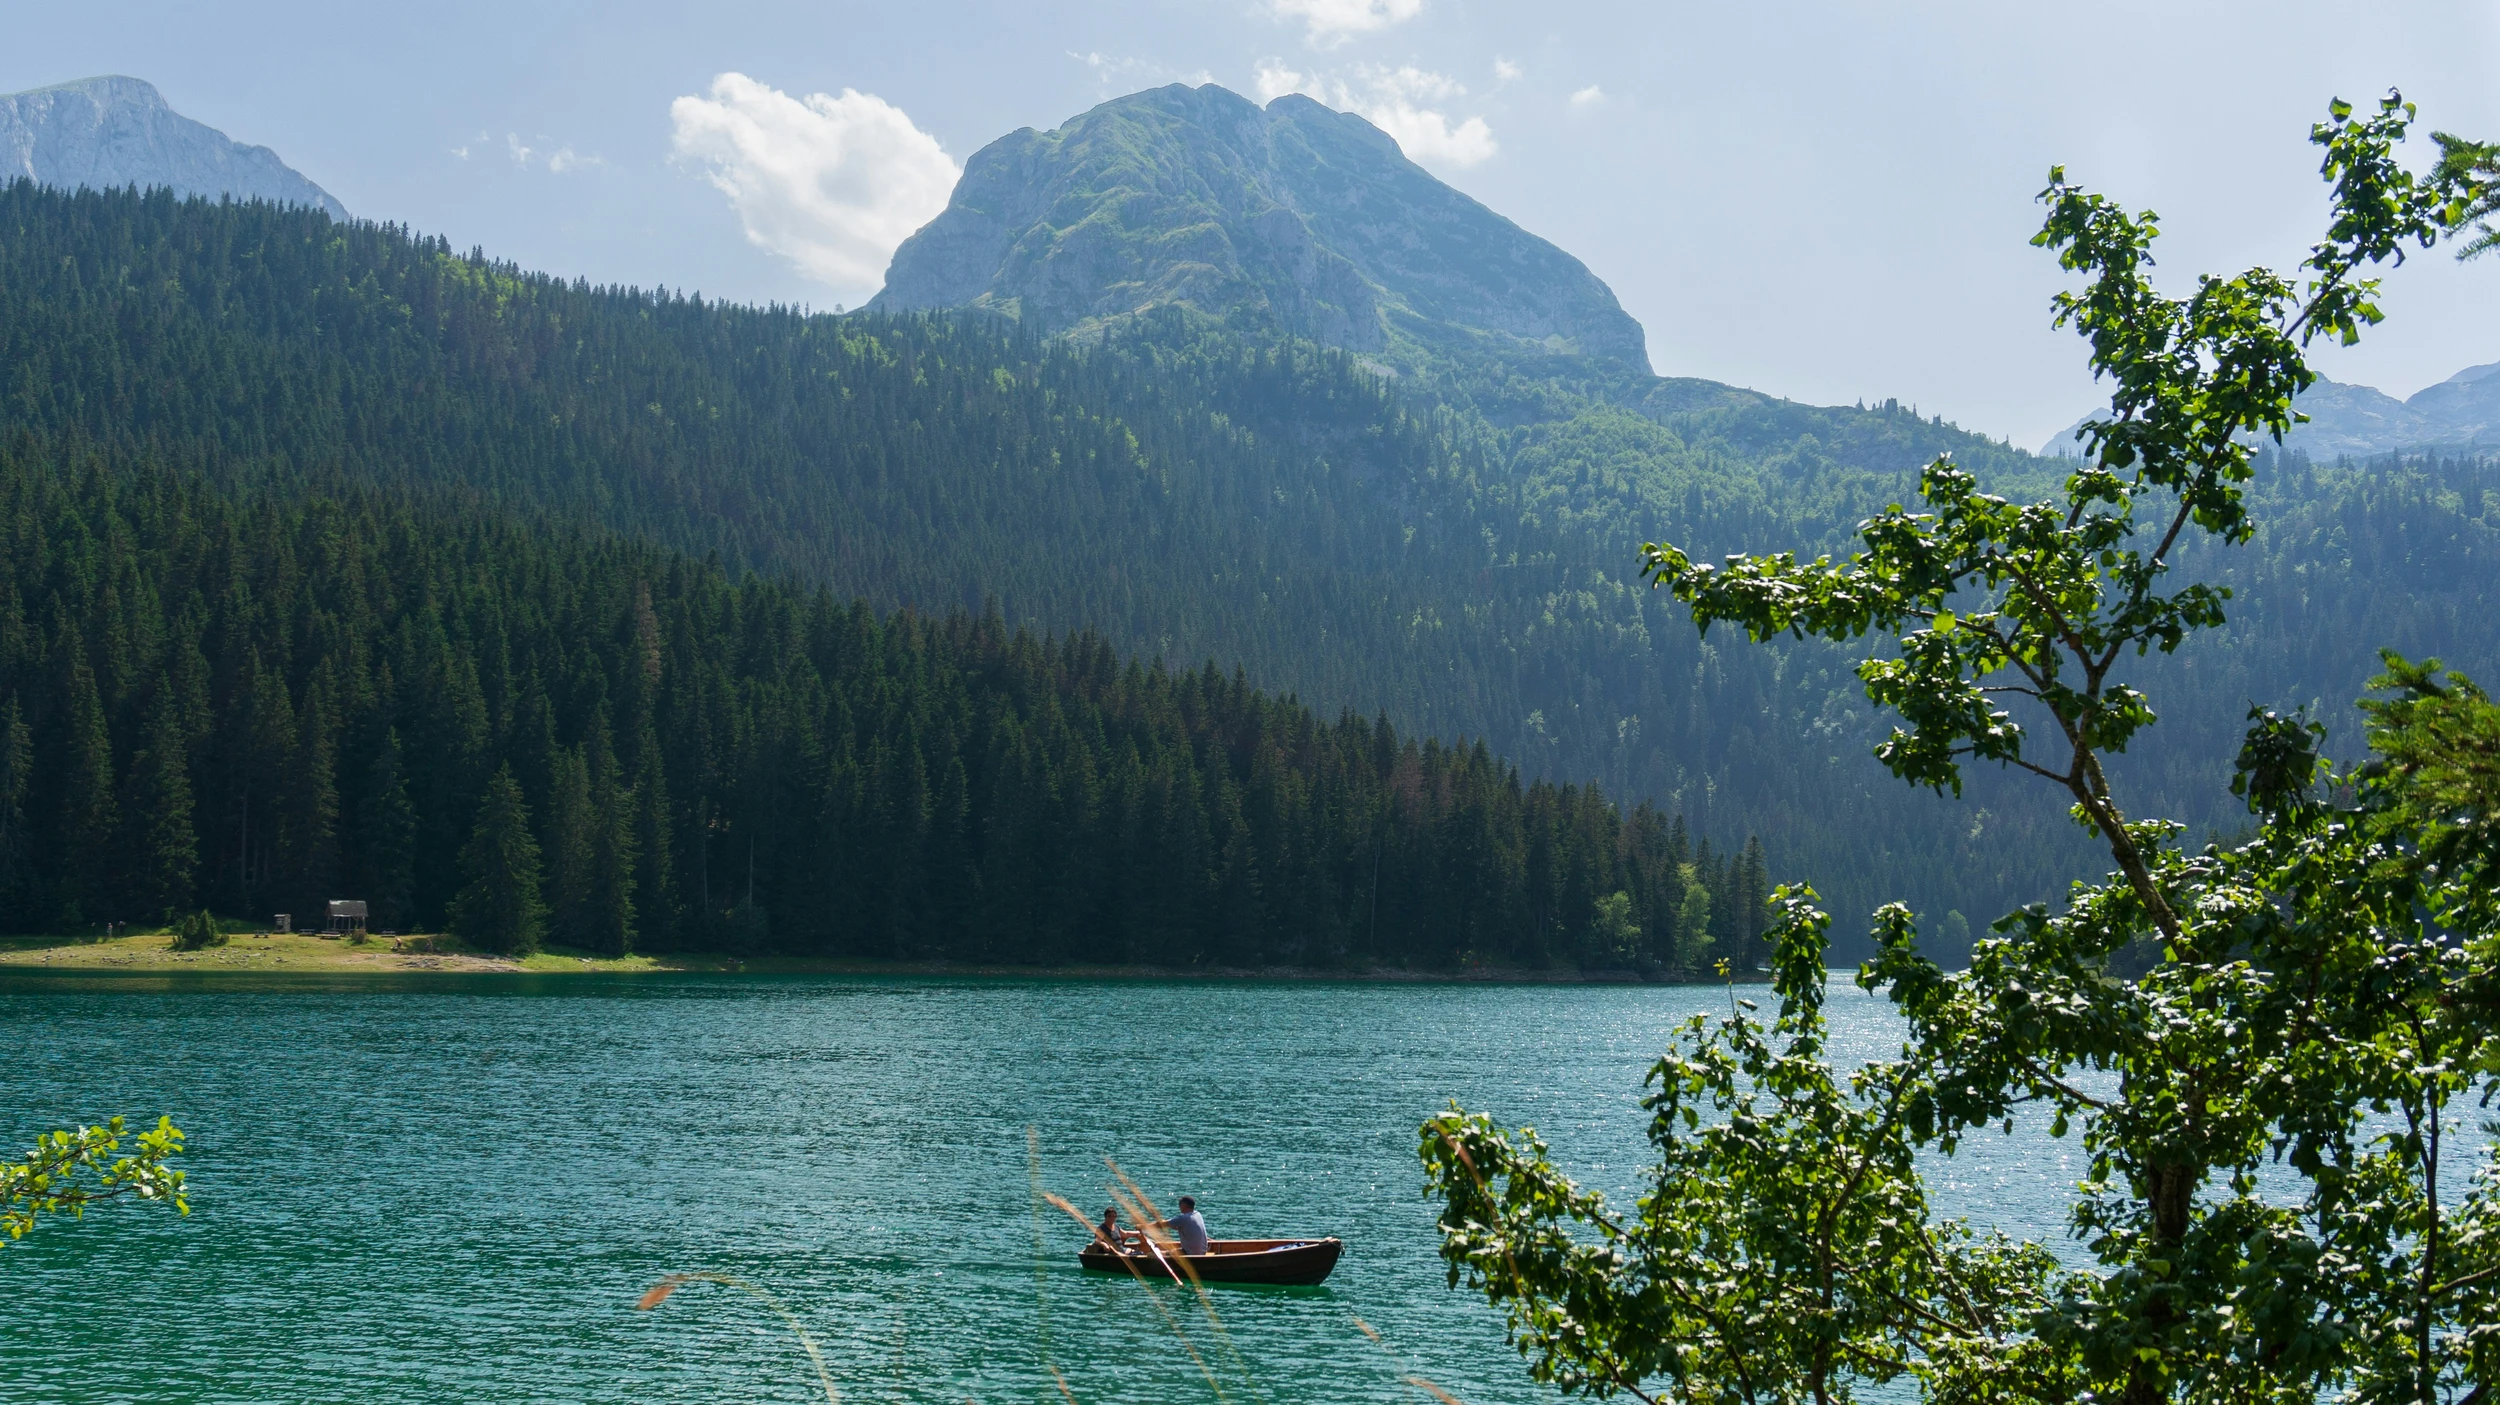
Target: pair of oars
(1148, 1217)
(1155, 1238)
(1166, 1253)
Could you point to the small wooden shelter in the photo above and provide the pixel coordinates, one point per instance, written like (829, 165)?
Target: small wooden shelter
(347, 914)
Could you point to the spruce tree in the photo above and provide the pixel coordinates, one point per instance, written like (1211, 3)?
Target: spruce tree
(310, 824)
(906, 829)
(566, 841)
(1753, 898)
(159, 848)
(84, 811)
(445, 727)
(948, 922)
(608, 913)
(498, 907)
(384, 870)
(261, 740)
(17, 760)
(656, 906)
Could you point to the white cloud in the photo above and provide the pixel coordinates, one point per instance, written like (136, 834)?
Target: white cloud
(1394, 100)
(1273, 80)
(1429, 137)
(830, 183)
(1504, 71)
(557, 162)
(1116, 74)
(1407, 83)
(1329, 22)
(1589, 96)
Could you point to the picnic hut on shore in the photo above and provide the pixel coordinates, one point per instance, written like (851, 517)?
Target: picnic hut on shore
(347, 914)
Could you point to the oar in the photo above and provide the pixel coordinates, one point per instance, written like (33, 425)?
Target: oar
(1129, 1262)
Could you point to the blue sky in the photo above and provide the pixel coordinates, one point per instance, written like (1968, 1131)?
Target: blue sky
(1822, 201)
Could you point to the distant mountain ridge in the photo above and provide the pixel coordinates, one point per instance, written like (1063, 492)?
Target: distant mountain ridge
(115, 131)
(1291, 218)
(2461, 412)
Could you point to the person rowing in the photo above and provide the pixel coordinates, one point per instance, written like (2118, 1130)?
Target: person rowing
(1188, 1228)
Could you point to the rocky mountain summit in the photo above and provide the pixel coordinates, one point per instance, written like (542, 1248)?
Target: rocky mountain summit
(113, 131)
(2461, 412)
(1289, 218)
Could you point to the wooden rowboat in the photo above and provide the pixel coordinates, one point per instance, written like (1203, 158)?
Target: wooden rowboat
(1294, 1262)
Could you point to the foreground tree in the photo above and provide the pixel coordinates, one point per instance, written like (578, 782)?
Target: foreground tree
(2337, 964)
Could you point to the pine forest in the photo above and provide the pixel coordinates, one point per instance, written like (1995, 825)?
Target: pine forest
(254, 704)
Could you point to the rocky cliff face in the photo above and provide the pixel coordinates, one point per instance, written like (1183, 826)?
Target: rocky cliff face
(1290, 218)
(109, 132)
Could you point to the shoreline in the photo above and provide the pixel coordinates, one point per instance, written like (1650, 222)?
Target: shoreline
(311, 954)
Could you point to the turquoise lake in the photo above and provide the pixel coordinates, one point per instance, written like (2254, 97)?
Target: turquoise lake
(454, 1188)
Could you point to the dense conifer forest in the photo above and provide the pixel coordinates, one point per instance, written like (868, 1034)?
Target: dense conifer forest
(259, 702)
(1457, 555)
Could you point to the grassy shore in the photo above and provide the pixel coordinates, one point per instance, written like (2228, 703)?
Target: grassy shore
(307, 953)
(294, 951)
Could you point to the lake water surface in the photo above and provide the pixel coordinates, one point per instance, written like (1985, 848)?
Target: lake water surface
(453, 1189)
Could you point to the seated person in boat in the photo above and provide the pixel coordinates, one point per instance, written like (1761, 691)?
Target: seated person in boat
(1188, 1228)
(1109, 1232)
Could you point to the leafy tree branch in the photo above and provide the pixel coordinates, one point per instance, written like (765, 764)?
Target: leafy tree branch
(68, 1171)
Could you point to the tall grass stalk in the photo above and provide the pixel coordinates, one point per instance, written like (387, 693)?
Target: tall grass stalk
(1129, 1263)
(1206, 1304)
(660, 1291)
(1406, 1373)
(1041, 1299)
(1131, 1199)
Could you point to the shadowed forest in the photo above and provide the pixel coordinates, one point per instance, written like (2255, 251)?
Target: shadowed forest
(256, 705)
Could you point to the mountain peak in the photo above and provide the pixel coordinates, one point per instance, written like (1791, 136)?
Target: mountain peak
(111, 89)
(2462, 411)
(114, 130)
(1291, 217)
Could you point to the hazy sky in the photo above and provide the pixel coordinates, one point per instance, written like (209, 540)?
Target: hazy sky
(1822, 201)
